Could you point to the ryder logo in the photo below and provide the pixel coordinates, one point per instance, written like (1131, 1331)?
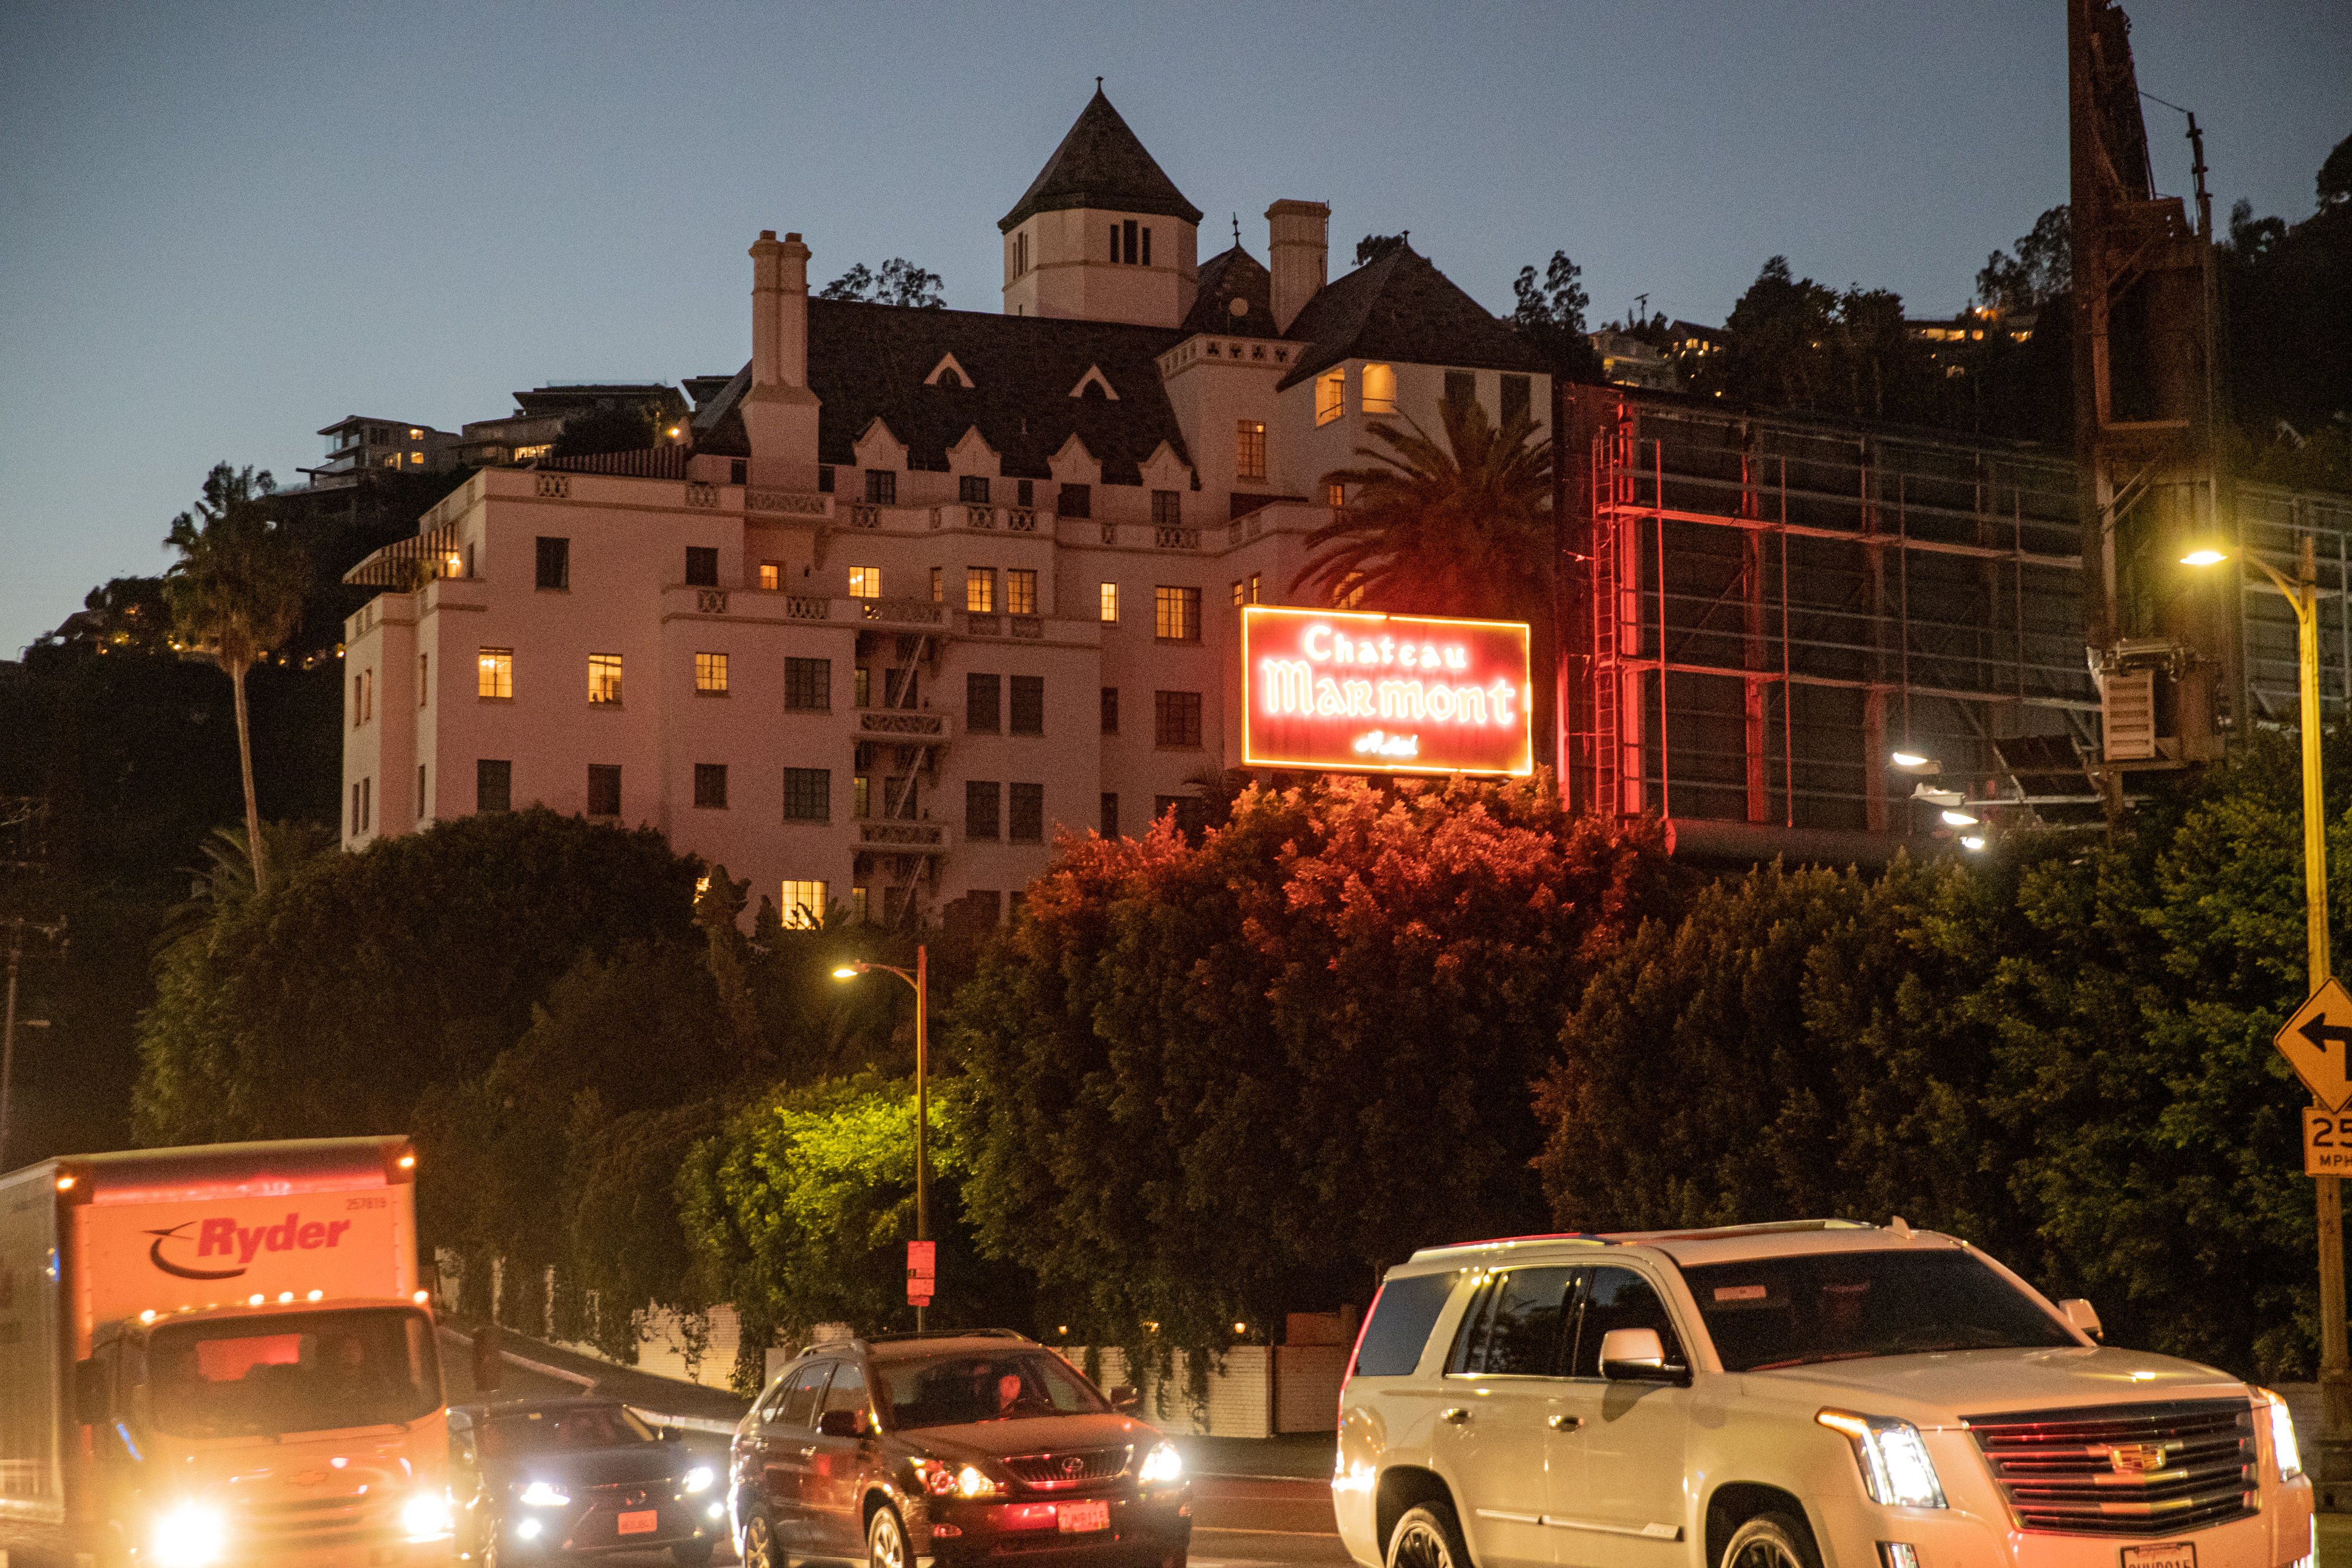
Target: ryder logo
(222, 1249)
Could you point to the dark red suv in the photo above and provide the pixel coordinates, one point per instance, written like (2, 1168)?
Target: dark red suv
(957, 1447)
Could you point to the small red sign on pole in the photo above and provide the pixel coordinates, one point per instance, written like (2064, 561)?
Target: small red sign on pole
(922, 1271)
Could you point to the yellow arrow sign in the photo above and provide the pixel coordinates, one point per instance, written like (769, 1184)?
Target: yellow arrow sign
(2317, 1043)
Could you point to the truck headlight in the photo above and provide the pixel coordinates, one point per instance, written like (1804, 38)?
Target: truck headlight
(191, 1535)
(2284, 1447)
(697, 1478)
(1895, 1468)
(1162, 1466)
(425, 1516)
(545, 1494)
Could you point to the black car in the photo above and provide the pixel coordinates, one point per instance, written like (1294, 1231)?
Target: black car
(539, 1478)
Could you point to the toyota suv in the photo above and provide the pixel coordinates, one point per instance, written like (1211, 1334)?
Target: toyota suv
(1815, 1395)
(907, 1450)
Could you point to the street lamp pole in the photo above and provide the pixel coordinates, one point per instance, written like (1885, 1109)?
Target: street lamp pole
(919, 978)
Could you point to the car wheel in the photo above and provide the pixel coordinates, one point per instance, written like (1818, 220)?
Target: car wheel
(1770, 1541)
(759, 1548)
(886, 1541)
(1428, 1536)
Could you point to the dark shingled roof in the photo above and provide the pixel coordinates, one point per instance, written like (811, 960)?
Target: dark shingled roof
(869, 360)
(1399, 307)
(1223, 278)
(1101, 164)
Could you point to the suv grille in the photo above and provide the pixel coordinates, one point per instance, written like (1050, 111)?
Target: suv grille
(2124, 1469)
(1075, 1466)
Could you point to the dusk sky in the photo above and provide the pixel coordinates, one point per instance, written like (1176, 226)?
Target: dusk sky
(222, 227)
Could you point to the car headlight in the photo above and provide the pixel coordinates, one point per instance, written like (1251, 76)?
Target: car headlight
(944, 1480)
(2284, 1447)
(545, 1494)
(1162, 1466)
(425, 1516)
(191, 1535)
(1895, 1468)
(697, 1478)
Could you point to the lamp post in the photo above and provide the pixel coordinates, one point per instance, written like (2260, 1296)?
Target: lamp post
(919, 978)
(2335, 1361)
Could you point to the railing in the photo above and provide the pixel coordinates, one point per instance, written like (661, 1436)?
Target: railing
(980, 624)
(1243, 528)
(864, 516)
(1165, 538)
(701, 493)
(1027, 626)
(555, 487)
(980, 517)
(796, 503)
(1021, 520)
(898, 724)
(903, 838)
(919, 612)
(807, 606)
(711, 602)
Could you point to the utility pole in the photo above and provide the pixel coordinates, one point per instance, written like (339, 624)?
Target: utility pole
(17, 926)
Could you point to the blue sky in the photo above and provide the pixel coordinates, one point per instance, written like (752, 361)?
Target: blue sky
(222, 227)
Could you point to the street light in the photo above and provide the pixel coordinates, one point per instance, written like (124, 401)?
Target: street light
(2303, 595)
(919, 978)
(1911, 759)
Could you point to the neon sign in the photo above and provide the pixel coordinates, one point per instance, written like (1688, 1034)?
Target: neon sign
(1355, 693)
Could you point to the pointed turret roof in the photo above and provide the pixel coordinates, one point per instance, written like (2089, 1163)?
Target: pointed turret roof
(1101, 164)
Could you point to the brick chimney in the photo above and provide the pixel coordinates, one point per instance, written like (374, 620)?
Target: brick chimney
(1298, 243)
(779, 411)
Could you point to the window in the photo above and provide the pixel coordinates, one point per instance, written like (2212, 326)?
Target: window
(1025, 492)
(737, 466)
(972, 489)
(1334, 496)
(1109, 815)
(803, 905)
(604, 789)
(1167, 509)
(980, 589)
(1380, 389)
(824, 478)
(1519, 398)
(980, 704)
(808, 685)
(1461, 387)
(493, 785)
(1147, 245)
(367, 693)
(1111, 603)
(1330, 395)
(1249, 455)
(857, 907)
(710, 673)
(1176, 614)
(808, 794)
(424, 796)
(1246, 590)
(1515, 1327)
(1176, 718)
(862, 687)
(1028, 705)
(710, 786)
(898, 684)
(554, 563)
(424, 679)
(604, 677)
(982, 798)
(1076, 501)
(1403, 1316)
(881, 487)
(1110, 710)
(1025, 816)
(701, 566)
(1620, 1299)
(938, 585)
(1020, 590)
(1192, 814)
(865, 582)
(861, 795)
(771, 576)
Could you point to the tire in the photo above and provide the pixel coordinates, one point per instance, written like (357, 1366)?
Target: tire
(692, 1553)
(1428, 1536)
(1770, 1541)
(759, 1546)
(886, 1541)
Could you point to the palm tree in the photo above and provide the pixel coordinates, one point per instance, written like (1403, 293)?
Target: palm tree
(236, 592)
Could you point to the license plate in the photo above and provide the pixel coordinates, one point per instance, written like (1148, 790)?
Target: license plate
(646, 1520)
(1079, 1518)
(2173, 1555)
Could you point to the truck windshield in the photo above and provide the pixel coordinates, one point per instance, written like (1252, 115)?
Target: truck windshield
(294, 1372)
(1843, 1306)
(950, 1390)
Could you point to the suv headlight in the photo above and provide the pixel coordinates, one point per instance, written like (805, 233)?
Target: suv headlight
(2284, 1447)
(698, 1479)
(1895, 1468)
(545, 1494)
(1162, 1466)
(951, 1480)
(425, 1516)
(191, 1535)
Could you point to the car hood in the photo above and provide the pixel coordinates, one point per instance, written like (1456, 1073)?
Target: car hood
(1945, 1388)
(1030, 1434)
(639, 1462)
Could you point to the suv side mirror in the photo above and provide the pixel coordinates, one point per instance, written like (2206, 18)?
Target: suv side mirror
(2082, 1316)
(842, 1423)
(1634, 1354)
(1125, 1399)
(90, 1392)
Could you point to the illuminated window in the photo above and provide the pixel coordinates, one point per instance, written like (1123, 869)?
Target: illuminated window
(710, 786)
(1176, 718)
(1111, 603)
(771, 576)
(523, 454)
(1249, 455)
(494, 673)
(1020, 590)
(1334, 496)
(1176, 614)
(416, 460)
(1246, 590)
(803, 905)
(1330, 395)
(604, 677)
(604, 789)
(1380, 389)
(865, 582)
(980, 589)
(710, 672)
(938, 585)
(808, 795)
(861, 685)
(415, 433)
(857, 905)
(808, 685)
(861, 795)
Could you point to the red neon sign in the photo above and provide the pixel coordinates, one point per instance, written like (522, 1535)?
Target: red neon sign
(1347, 692)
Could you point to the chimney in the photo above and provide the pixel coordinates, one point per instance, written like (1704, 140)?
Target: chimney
(1298, 243)
(779, 411)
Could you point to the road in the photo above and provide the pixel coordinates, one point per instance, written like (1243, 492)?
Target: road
(1262, 1521)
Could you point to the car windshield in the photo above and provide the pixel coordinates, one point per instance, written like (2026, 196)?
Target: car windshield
(1843, 1306)
(563, 1427)
(306, 1372)
(950, 1390)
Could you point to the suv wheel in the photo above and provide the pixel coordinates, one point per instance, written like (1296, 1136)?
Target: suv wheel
(759, 1548)
(1428, 1537)
(885, 1540)
(1770, 1541)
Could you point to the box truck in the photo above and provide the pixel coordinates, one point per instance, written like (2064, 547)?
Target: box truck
(219, 1355)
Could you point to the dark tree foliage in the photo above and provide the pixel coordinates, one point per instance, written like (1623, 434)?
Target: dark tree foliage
(1549, 316)
(2042, 272)
(1371, 248)
(2287, 292)
(897, 281)
(613, 427)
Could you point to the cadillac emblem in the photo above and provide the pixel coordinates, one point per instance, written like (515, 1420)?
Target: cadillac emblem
(2137, 1458)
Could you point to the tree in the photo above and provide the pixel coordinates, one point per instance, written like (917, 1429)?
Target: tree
(236, 592)
(897, 281)
(1550, 317)
(609, 428)
(2041, 271)
(1371, 248)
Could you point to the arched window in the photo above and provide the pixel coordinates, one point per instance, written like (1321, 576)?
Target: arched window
(1380, 389)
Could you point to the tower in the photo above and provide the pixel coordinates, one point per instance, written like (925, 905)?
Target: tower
(1102, 233)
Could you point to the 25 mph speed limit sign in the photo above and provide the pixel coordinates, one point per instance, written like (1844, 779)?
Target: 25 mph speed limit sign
(2326, 1142)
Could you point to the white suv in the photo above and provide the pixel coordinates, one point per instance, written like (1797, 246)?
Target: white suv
(1816, 1395)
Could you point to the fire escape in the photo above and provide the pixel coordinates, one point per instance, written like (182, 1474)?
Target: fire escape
(899, 745)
